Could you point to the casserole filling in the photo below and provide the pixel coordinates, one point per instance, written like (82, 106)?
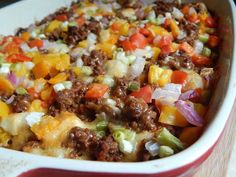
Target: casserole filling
(109, 80)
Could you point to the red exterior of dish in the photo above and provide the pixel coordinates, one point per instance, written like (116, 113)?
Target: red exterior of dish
(187, 170)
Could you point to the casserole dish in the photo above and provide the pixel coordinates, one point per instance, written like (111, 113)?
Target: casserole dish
(169, 166)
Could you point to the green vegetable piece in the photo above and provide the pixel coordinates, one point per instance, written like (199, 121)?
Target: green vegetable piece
(134, 86)
(86, 70)
(21, 91)
(210, 30)
(101, 126)
(72, 24)
(206, 52)
(165, 151)
(164, 137)
(203, 38)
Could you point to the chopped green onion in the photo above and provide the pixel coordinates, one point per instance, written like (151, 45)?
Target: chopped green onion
(102, 125)
(134, 86)
(21, 91)
(206, 52)
(86, 70)
(118, 135)
(72, 24)
(100, 133)
(164, 137)
(203, 38)
(165, 151)
(210, 30)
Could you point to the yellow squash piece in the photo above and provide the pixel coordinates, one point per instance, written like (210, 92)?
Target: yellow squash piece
(41, 69)
(156, 52)
(160, 76)
(6, 85)
(36, 106)
(171, 116)
(174, 28)
(4, 109)
(108, 48)
(58, 78)
(52, 26)
(46, 93)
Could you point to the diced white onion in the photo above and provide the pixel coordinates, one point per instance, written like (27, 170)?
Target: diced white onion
(182, 34)
(126, 146)
(5, 68)
(152, 147)
(27, 49)
(29, 65)
(173, 87)
(67, 84)
(168, 15)
(55, 47)
(58, 87)
(151, 15)
(79, 62)
(33, 118)
(137, 67)
(177, 13)
(198, 47)
(192, 11)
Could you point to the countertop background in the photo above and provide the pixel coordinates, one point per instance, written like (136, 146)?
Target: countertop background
(222, 161)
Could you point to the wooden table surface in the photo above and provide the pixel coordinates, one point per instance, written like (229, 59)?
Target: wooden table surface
(220, 162)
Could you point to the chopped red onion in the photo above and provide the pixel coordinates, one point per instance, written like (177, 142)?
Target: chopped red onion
(12, 78)
(170, 92)
(10, 100)
(189, 113)
(188, 95)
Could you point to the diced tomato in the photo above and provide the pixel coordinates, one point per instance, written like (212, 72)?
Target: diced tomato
(210, 22)
(187, 48)
(144, 93)
(80, 21)
(61, 17)
(179, 77)
(165, 50)
(11, 48)
(145, 32)
(165, 41)
(213, 41)
(185, 10)
(18, 40)
(193, 18)
(138, 40)
(14, 58)
(33, 93)
(167, 23)
(116, 26)
(36, 43)
(96, 91)
(200, 60)
(127, 45)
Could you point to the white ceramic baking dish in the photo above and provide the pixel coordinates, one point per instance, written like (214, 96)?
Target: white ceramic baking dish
(185, 163)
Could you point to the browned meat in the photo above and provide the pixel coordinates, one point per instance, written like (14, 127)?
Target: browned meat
(162, 7)
(21, 103)
(176, 60)
(120, 89)
(130, 4)
(82, 139)
(143, 154)
(191, 30)
(138, 115)
(76, 34)
(4, 96)
(141, 14)
(94, 26)
(108, 150)
(96, 60)
(134, 107)
(68, 100)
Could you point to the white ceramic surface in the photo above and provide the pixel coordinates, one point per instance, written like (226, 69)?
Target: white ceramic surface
(25, 12)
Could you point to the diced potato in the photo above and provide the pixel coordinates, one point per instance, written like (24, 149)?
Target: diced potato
(41, 69)
(52, 26)
(108, 48)
(4, 138)
(165, 77)
(171, 116)
(174, 28)
(14, 123)
(58, 78)
(6, 85)
(36, 106)
(46, 93)
(4, 109)
(156, 52)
